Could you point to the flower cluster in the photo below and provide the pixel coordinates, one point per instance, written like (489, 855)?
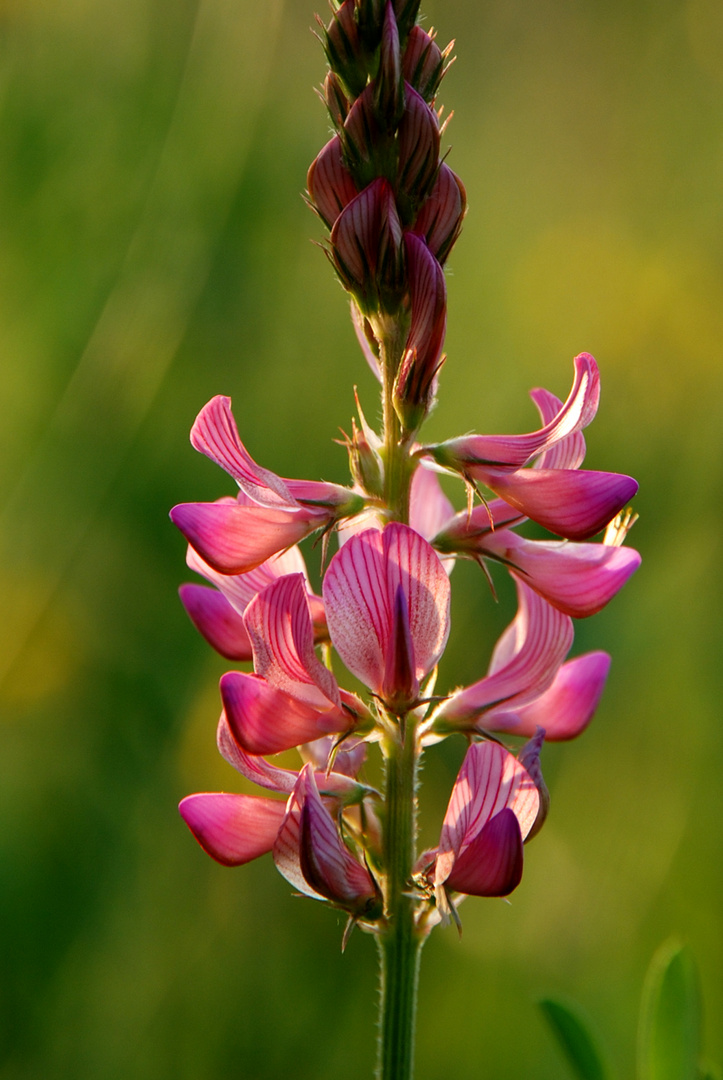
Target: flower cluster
(394, 211)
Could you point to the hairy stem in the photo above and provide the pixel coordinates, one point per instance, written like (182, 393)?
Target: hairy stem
(399, 941)
(398, 467)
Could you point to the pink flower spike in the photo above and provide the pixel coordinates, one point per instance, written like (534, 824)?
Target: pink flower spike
(573, 503)
(359, 591)
(329, 183)
(215, 434)
(524, 664)
(279, 624)
(234, 537)
(217, 621)
(577, 579)
(266, 720)
(233, 829)
(416, 381)
(566, 708)
(513, 451)
(490, 780)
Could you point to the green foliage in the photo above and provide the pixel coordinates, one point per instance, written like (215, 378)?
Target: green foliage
(577, 1041)
(670, 1017)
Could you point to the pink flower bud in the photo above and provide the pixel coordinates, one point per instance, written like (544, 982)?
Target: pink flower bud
(406, 13)
(344, 49)
(367, 248)
(329, 183)
(363, 140)
(388, 84)
(440, 220)
(415, 384)
(335, 99)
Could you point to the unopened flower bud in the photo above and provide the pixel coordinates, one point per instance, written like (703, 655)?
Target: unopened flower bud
(406, 13)
(415, 384)
(418, 142)
(365, 145)
(423, 63)
(440, 219)
(388, 84)
(336, 100)
(364, 459)
(329, 183)
(370, 16)
(344, 49)
(367, 253)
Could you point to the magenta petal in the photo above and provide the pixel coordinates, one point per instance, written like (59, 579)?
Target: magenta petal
(287, 847)
(279, 624)
(429, 507)
(578, 579)
(217, 621)
(234, 538)
(266, 720)
(400, 682)
(214, 434)
(567, 707)
(573, 503)
(326, 863)
(491, 865)
(233, 829)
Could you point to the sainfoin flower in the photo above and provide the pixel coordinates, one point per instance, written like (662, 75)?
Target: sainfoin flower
(393, 211)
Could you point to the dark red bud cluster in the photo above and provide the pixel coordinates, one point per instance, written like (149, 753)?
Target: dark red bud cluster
(391, 206)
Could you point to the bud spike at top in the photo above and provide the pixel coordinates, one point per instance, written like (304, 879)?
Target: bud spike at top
(392, 210)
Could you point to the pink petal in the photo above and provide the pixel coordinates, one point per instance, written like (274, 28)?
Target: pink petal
(267, 720)
(287, 848)
(514, 451)
(490, 780)
(569, 453)
(578, 579)
(326, 863)
(429, 507)
(524, 663)
(217, 621)
(260, 771)
(492, 864)
(466, 531)
(566, 708)
(278, 621)
(233, 829)
(329, 183)
(572, 503)
(400, 683)
(234, 538)
(359, 590)
(215, 434)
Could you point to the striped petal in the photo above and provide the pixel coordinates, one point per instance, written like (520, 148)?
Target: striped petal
(492, 864)
(278, 621)
(489, 781)
(565, 709)
(523, 666)
(233, 829)
(568, 453)
(359, 591)
(215, 434)
(329, 183)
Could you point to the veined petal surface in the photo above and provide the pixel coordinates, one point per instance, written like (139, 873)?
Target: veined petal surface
(233, 829)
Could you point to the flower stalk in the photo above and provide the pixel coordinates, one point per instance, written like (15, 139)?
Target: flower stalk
(393, 211)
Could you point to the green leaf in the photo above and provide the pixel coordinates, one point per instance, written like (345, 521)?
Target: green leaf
(670, 1017)
(573, 1034)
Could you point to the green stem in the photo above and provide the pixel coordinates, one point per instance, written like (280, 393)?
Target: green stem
(399, 941)
(397, 466)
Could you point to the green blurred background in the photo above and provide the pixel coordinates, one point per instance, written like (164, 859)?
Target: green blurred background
(155, 251)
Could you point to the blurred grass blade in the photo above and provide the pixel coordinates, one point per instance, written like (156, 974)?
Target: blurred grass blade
(708, 1071)
(670, 1017)
(574, 1036)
